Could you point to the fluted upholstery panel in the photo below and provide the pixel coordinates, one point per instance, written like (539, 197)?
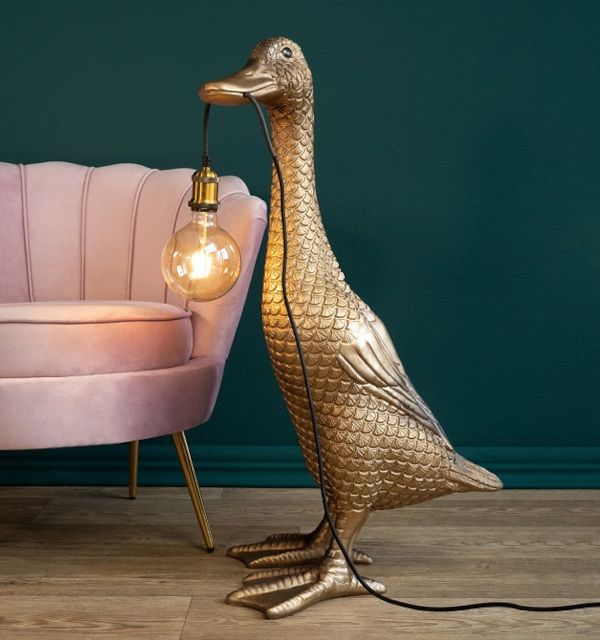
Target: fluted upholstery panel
(14, 281)
(53, 223)
(165, 194)
(111, 207)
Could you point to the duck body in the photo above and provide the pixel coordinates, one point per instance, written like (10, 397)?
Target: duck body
(382, 446)
(376, 456)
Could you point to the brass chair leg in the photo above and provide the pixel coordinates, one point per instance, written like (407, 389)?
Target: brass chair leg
(187, 466)
(134, 451)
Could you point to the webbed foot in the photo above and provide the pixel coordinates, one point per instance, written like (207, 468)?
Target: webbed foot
(282, 592)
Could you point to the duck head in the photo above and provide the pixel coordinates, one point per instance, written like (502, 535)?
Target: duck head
(276, 74)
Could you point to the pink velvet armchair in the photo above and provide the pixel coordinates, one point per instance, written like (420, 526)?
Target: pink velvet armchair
(94, 349)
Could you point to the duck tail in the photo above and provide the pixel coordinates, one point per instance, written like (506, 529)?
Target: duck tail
(471, 477)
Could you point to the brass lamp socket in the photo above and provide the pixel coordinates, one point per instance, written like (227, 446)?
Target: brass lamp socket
(205, 194)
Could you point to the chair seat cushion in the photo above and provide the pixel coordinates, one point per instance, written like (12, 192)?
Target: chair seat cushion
(86, 337)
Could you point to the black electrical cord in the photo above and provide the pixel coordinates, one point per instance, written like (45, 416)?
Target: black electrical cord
(205, 156)
(317, 437)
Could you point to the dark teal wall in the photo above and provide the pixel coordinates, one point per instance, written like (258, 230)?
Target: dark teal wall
(474, 127)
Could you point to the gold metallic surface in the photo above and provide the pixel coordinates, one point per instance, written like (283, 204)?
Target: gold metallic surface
(205, 194)
(134, 452)
(189, 473)
(382, 446)
(255, 77)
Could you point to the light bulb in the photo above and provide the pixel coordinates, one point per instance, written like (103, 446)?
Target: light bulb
(201, 261)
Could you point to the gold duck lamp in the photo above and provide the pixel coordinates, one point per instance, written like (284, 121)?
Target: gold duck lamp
(382, 447)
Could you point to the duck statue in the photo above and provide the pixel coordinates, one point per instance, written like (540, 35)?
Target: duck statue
(382, 446)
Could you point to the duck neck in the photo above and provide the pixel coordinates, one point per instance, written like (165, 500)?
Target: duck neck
(292, 133)
(293, 138)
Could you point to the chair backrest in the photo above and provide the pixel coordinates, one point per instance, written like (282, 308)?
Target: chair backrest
(69, 232)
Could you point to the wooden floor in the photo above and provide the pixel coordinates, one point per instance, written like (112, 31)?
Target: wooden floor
(86, 563)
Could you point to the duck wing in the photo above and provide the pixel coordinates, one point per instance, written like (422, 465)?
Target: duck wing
(368, 356)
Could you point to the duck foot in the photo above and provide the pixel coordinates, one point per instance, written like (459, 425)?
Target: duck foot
(282, 592)
(290, 549)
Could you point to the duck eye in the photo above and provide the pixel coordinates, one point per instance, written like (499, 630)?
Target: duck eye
(287, 52)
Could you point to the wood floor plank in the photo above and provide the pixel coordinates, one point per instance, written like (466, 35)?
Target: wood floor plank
(516, 542)
(363, 618)
(152, 506)
(84, 617)
(16, 509)
(416, 578)
(117, 540)
(84, 562)
(482, 514)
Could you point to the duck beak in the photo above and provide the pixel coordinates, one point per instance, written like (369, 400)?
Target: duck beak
(254, 78)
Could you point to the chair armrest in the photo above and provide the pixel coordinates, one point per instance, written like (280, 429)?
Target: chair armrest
(215, 322)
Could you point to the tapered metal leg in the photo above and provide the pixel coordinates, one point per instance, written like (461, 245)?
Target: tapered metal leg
(134, 452)
(189, 473)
